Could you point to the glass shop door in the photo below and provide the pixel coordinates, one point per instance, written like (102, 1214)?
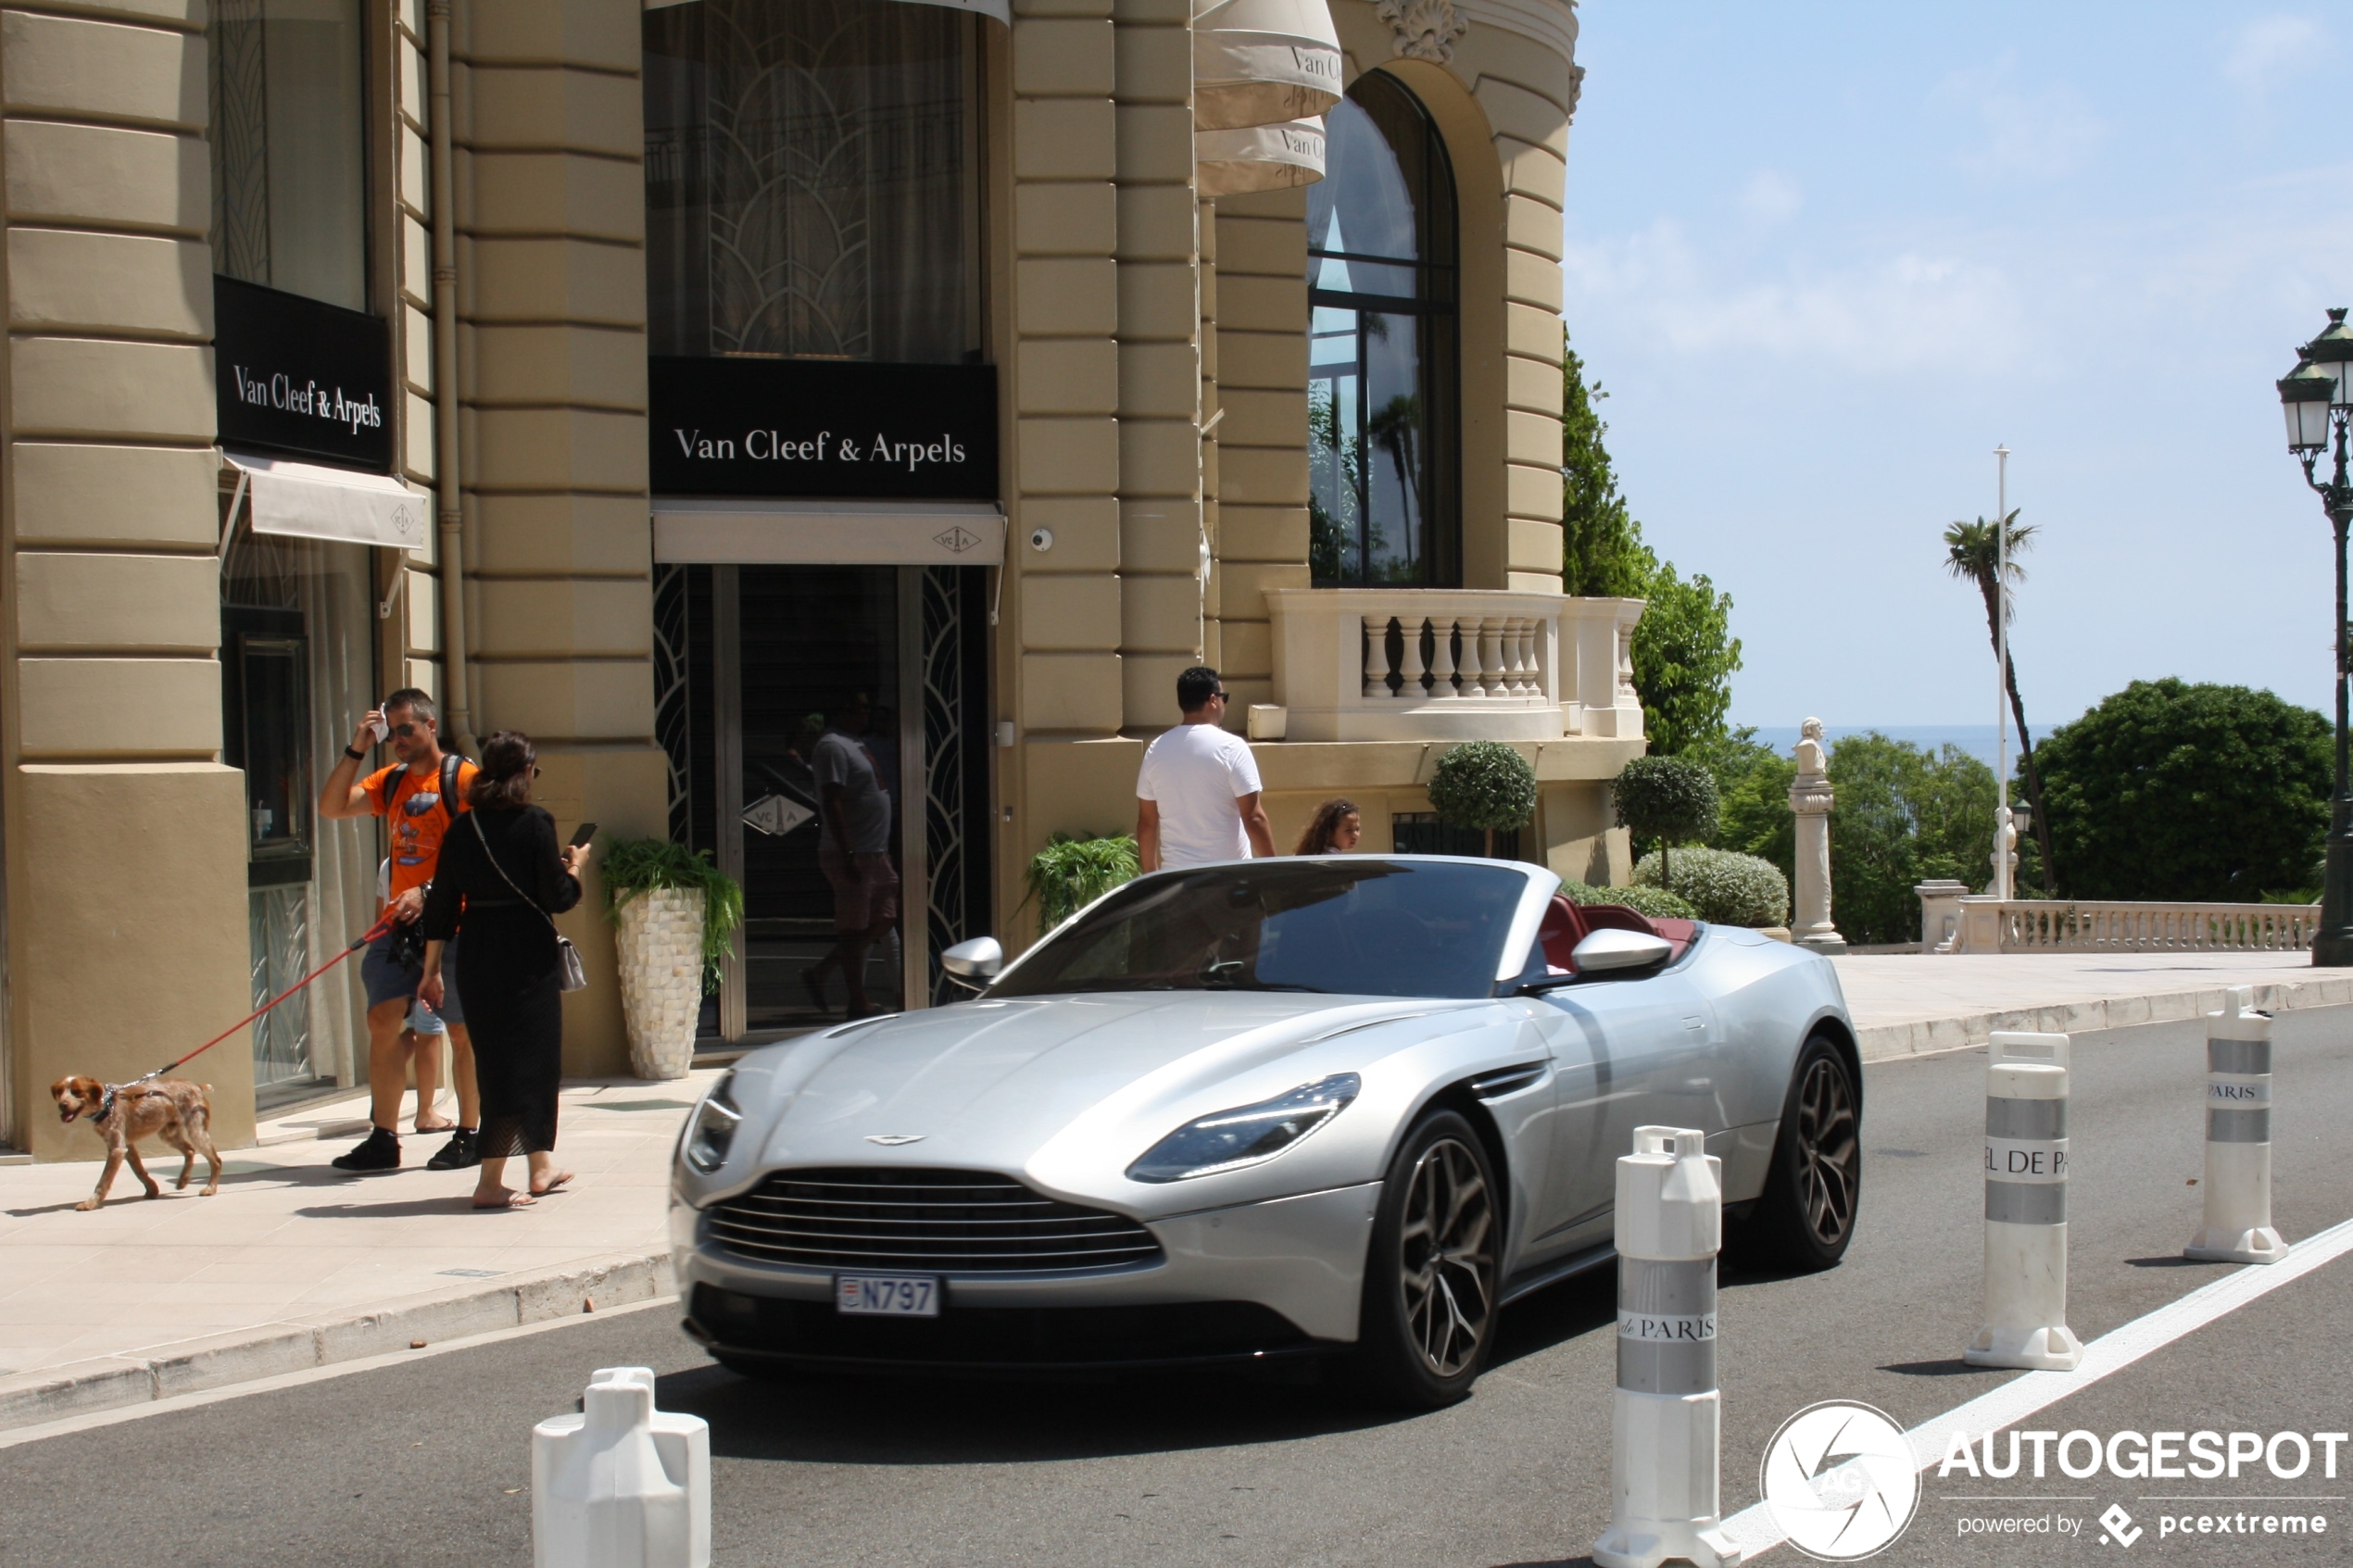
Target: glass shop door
(813, 819)
(829, 745)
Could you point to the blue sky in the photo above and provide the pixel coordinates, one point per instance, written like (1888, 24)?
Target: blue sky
(1824, 257)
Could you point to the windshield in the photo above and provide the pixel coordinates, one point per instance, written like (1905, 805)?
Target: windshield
(1337, 924)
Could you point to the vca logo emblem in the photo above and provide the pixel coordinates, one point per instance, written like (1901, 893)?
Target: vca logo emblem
(1840, 1481)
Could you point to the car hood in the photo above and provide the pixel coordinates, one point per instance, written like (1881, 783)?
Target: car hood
(987, 1084)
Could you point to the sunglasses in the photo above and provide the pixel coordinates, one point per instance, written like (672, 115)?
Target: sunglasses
(1222, 697)
(406, 732)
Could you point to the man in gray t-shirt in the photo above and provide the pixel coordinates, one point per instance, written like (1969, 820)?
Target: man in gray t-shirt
(854, 850)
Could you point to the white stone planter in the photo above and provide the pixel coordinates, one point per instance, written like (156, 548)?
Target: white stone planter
(660, 948)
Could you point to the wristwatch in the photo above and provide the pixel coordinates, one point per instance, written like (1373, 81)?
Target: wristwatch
(355, 756)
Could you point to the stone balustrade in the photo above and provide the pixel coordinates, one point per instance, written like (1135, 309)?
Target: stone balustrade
(1452, 664)
(2076, 925)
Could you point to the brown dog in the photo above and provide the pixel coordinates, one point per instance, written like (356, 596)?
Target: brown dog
(172, 1109)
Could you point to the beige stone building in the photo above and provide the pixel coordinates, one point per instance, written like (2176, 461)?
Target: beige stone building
(686, 383)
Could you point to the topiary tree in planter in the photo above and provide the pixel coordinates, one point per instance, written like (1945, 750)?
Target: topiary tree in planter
(675, 914)
(1484, 785)
(1667, 798)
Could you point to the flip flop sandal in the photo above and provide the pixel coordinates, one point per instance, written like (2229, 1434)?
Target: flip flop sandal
(513, 1201)
(556, 1186)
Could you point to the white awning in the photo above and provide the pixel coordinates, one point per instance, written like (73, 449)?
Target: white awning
(1001, 9)
(312, 501)
(1264, 158)
(1262, 62)
(829, 532)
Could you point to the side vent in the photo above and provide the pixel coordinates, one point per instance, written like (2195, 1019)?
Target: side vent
(1508, 1080)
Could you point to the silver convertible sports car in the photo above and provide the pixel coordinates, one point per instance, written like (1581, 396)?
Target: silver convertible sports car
(1344, 1107)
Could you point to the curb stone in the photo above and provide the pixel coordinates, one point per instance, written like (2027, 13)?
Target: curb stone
(1926, 1036)
(269, 1350)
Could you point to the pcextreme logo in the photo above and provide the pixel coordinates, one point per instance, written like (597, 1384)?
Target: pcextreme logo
(1840, 1481)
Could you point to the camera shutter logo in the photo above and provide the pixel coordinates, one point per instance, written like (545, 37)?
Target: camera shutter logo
(1840, 1480)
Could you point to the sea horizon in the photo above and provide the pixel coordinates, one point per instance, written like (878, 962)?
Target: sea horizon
(1977, 740)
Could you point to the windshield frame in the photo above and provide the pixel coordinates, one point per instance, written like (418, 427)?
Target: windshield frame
(1538, 884)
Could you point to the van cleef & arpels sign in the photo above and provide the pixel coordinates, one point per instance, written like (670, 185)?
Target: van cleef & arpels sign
(823, 428)
(297, 376)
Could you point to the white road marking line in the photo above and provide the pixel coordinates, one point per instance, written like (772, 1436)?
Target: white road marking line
(20, 1435)
(2021, 1396)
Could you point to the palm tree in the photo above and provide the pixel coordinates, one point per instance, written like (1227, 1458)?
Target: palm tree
(1970, 554)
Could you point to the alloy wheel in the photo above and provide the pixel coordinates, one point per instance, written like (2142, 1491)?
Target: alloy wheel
(1828, 1157)
(1446, 1263)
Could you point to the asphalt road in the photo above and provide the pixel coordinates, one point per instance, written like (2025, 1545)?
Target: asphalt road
(428, 1462)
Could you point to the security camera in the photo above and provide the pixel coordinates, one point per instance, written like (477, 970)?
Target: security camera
(1041, 538)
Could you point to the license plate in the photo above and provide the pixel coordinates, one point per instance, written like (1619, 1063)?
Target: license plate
(887, 1295)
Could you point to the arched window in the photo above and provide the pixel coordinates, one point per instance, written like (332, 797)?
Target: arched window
(1381, 426)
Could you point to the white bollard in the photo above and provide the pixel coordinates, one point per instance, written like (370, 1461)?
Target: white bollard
(2238, 1137)
(1667, 1416)
(2026, 1208)
(622, 1485)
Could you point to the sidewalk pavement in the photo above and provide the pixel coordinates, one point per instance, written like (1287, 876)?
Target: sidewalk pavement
(1905, 1004)
(295, 1265)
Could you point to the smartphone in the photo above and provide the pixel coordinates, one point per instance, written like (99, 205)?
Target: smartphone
(582, 834)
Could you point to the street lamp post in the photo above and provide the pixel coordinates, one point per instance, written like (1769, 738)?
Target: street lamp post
(2318, 398)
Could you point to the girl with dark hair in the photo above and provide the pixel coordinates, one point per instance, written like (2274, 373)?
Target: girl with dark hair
(1334, 830)
(502, 878)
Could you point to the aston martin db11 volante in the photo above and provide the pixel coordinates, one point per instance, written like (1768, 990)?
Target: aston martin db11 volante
(1343, 1107)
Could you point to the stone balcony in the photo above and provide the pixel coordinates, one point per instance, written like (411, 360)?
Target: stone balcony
(1449, 664)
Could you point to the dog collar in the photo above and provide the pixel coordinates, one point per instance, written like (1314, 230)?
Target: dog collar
(105, 1104)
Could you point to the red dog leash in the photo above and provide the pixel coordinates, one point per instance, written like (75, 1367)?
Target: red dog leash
(365, 937)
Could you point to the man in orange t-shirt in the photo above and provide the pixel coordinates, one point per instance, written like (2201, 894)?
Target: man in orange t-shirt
(409, 795)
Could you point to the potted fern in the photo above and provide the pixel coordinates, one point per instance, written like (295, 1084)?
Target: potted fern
(1072, 872)
(675, 914)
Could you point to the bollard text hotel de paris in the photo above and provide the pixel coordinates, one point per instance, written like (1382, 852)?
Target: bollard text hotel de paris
(655, 377)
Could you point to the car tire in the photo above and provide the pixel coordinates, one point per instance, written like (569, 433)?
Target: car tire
(1804, 1218)
(1431, 1281)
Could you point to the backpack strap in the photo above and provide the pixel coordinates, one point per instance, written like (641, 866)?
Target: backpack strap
(391, 789)
(453, 800)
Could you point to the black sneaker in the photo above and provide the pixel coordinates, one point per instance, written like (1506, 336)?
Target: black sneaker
(379, 1150)
(462, 1152)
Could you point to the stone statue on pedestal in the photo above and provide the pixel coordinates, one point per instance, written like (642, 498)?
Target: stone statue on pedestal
(1809, 797)
(2005, 857)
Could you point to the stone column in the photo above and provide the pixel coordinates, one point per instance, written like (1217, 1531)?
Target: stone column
(551, 213)
(125, 876)
(1809, 797)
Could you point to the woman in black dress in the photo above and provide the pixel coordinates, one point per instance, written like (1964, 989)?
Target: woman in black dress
(500, 858)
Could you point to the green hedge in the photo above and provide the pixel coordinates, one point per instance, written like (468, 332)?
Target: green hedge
(1655, 902)
(1726, 887)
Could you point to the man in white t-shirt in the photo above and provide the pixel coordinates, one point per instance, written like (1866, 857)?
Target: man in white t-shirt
(1198, 795)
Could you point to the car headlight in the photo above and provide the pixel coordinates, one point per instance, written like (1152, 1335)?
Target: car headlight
(1247, 1134)
(713, 1128)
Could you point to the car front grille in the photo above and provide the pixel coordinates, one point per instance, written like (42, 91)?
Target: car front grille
(928, 1221)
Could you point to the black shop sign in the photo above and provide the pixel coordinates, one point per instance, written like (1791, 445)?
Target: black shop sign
(823, 428)
(297, 376)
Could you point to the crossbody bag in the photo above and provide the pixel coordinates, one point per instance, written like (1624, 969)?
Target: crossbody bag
(575, 977)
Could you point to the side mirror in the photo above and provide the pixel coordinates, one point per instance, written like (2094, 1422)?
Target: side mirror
(1610, 949)
(975, 963)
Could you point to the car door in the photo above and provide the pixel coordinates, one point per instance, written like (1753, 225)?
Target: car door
(1626, 1052)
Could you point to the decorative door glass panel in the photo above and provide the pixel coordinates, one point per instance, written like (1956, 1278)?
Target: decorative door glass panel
(813, 181)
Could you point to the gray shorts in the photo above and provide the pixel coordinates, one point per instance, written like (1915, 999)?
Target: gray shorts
(388, 981)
